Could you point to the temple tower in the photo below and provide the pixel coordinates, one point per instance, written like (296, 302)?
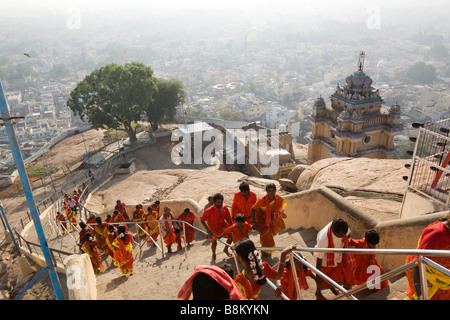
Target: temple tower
(354, 125)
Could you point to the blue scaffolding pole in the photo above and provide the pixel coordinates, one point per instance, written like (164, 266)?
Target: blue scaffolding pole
(51, 266)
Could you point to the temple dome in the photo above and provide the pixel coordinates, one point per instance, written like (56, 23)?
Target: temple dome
(358, 80)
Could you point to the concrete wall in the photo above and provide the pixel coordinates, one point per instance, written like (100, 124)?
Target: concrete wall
(415, 204)
(317, 207)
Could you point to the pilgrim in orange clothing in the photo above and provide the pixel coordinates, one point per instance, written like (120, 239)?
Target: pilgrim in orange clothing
(66, 207)
(123, 254)
(72, 218)
(101, 232)
(156, 205)
(243, 202)
(83, 231)
(152, 224)
(267, 216)
(286, 284)
(139, 217)
(366, 266)
(167, 228)
(112, 235)
(90, 222)
(237, 231)
(61, 221)
(251, 280)
(188, 216)
(436, 236)
(337, 266)
(209, 283)
(117, 217)
(215, 220)
(121, 207)
(90, 248)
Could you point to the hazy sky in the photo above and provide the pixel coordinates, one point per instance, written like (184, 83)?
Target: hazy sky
(207, 14)
(267, 7)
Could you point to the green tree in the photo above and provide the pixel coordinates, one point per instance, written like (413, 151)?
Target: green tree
(115, 96)
(59, 71)
(421, 72)
(169, 95)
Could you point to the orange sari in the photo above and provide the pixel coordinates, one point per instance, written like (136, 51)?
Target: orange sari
(269, 219)
(435, 236)
(152, 225)
(123, 255)
(139, 216)
(94, 255)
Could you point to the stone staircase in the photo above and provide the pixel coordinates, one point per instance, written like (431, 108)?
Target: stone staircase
(158, 278)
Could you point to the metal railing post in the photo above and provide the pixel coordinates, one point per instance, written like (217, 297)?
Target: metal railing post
(29, 195)
(423, 278)
(294, 273)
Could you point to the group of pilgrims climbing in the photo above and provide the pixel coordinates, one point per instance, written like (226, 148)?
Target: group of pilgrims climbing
(265, 216)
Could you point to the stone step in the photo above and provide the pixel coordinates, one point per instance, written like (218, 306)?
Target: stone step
(158, 278)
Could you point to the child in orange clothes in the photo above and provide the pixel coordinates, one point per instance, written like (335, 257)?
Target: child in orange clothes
(286, 284)
(367, 267)
(237, 231)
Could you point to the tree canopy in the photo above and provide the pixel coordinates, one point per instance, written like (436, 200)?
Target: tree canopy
(421, 72)
(117, 96)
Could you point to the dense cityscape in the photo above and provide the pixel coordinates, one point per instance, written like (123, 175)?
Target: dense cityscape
(267, 69)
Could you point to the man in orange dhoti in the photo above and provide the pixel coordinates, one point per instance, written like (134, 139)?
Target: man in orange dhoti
(167, 228)
(267, 216)
(243, 202)
(215, 220)
(123, 255)
(366, 266)
(337, 266)
(188, 216)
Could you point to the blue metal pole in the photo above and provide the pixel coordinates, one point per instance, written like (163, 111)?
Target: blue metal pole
(29, 195)
(9, 228)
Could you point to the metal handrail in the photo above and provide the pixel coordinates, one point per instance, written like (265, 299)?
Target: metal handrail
(422, 259)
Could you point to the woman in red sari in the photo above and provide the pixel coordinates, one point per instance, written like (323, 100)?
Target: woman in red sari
(188, 216)
(90, 248)
(267, 216)
(123, 254)
(434, 237)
